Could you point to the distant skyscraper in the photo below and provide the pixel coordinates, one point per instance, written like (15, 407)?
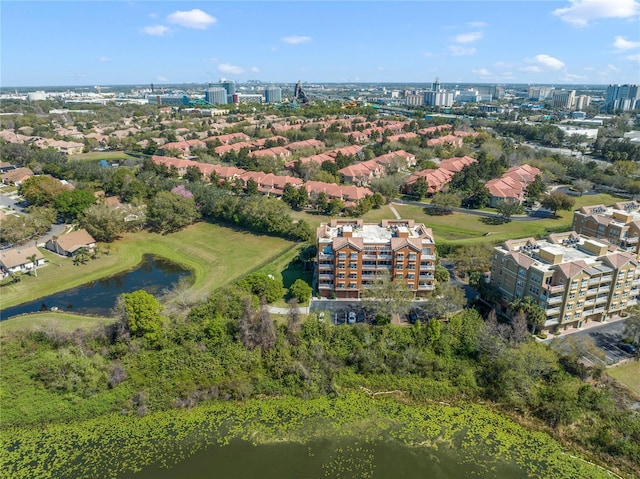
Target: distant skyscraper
(436, 85)
(438, 98)
(215, 95)
(414, 100)
(563, 98)
(272, 94)
(229, 86)
(622, 97)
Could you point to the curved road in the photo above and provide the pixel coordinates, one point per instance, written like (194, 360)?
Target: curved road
(540, 214)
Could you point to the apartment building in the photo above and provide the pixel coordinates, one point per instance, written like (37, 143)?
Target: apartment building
(619, 223)
(575, 279)
(352, 254)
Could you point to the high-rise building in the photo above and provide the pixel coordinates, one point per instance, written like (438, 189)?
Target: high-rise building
(353, 254)
(573, 278)
(272, 94)
(438, 98)
(414, 100)
(619, 223)
(435, 86)
(582, 101)
(622, 97)
(229, 86)
(539, 93)
(563, 99)
(215, 95)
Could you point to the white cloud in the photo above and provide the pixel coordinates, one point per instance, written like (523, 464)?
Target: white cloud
(255, 70)
(613, 68)
(156, 30)
(634, 58)
(482, 72)
(468, 37)
(296, 39)
(581, 12)
(104, 59)
(478, 24)
(196, 19)
(162, 78)
(459, 51)
(570, 77)
(230, 69)
(622, 43)
(531, 69)
(546, 61)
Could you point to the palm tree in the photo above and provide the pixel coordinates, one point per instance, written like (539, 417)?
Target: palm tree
(34, 259)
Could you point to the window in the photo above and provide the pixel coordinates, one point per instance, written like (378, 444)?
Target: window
(412, 256)
(584, 282)
(399, 276)
(411, 276)
(534, 290)
(572, 295)
(399, 266)
(522, 273)
(616, 296)
(353, 275)
(352, 285)
(567, 317)
(353, 265)
(569, 307)
(520, 284)
(412, 266)
(582, 293)
(574, 284)
(340, 285)
(400, 257)
(580, 304)
(342, 255)
(341, 275)
(354, 256)
(341, 265)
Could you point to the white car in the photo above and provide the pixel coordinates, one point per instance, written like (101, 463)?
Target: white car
(351, 318)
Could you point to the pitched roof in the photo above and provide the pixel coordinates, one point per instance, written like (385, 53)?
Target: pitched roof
(10, 258)
(75, 240)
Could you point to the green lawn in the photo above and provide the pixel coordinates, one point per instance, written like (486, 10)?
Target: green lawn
(627, 374)
(289, 270)
(103, 155)
(217, 255)
(51, 320)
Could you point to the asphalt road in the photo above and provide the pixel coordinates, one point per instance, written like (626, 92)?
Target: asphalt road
(606, 337)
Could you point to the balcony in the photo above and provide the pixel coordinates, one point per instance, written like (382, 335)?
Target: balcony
(381, 267)
(588, 304)
(598, 310)
(605, 279)
(601, 300)
(552, 311)
(426, 275)
(425, 267)
(554, 289)
(325, 285)
(428, 256)
(632, 302)
(554, 300)
(636, 282)
(606, 289)
(325, 255)
(425, 287)
(328, 277)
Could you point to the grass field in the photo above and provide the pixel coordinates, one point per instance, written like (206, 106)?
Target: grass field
(215, 254)
(51, 320)
(628, 375)
(102, 155)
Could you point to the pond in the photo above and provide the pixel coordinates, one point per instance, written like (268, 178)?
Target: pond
(341, 458)
(97, 298)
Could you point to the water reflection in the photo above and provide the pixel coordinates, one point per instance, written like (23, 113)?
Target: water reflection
(98, 297)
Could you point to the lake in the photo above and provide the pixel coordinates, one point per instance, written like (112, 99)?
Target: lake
(343, 458)
(97, 298)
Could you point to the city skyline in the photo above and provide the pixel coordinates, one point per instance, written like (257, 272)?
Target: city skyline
(554, 42)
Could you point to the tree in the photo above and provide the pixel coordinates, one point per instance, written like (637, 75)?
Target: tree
(444, 202)
(557, 200)
(41, 190)
(141, 314)
(535, 189)
(103, 223)
(581, 185)
(388, 297)
(442, 274)
(420, 188)
(447, 299)
(70, 204)
(507, 208)
(263, 285)
(34, 260)
(632, 327)
(300, 290)
(168, 212)
(534, 314)
(252, 187)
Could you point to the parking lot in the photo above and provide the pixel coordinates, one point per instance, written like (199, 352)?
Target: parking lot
(608, 339)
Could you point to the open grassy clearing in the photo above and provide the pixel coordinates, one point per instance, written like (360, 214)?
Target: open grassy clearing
(627, 374)
(64, 322)
(215, 254)
(289, 270)
(102, 155)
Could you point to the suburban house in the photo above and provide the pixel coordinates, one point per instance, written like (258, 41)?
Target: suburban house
(511, 186)
(16, 176)
(438, 178)
(351, 254)
(14, 260)
(69, 244)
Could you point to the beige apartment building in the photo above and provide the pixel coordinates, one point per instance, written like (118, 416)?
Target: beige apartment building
(619, 223)
(352, 254)
(575, 279)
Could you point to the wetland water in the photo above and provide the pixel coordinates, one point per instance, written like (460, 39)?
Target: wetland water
(343, 458)
(98, 297)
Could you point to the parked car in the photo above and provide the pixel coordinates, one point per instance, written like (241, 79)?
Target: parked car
(351, 317)
(628, 348)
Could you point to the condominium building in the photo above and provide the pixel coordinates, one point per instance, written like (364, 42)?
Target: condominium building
(272, 94)
(215, 95)
(573, 278)
(353, 254)
(619, 223)
(438, 98)
(563, 99)
(622, 97)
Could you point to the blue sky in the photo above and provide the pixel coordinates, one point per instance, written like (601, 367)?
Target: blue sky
(141, 42)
